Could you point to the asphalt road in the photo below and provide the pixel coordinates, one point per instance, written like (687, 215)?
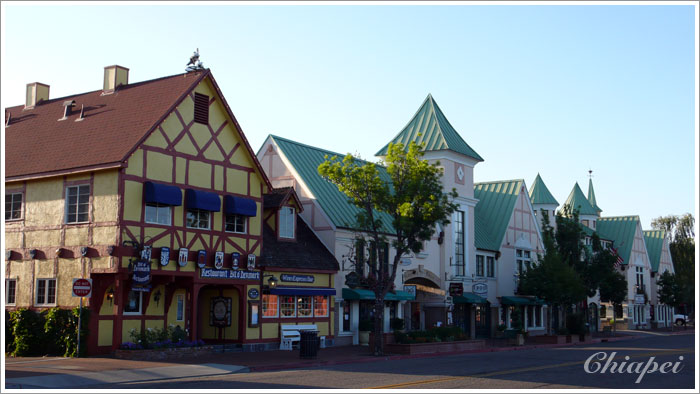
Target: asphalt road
(545, 368)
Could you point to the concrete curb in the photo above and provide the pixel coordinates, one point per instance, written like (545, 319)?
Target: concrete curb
(312, 364)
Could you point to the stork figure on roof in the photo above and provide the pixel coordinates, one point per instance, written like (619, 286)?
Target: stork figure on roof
(194, 64)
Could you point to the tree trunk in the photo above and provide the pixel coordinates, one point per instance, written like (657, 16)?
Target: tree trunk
(378, 327)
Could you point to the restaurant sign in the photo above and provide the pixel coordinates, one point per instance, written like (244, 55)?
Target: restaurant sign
(230, 274)
(297, 278)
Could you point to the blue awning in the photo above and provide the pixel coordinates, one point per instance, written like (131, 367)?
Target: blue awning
(301, 291)
(240, 206)
(197, 199)
(162, 194)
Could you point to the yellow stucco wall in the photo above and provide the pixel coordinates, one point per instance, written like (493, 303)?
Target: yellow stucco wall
(105, 330)
(270, 330)
(127, 326)
(172, 311)
(212, 333)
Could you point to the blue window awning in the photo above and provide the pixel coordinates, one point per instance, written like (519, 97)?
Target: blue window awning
(162, 194)
(207, 201)
(240, 206)
(302, 291)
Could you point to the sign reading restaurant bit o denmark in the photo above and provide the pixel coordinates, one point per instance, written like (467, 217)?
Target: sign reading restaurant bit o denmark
(82, 287)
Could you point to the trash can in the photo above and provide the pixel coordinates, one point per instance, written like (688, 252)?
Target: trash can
(308, 344)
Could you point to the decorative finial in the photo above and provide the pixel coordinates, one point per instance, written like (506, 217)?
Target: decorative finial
(590, 173)
(195, 64)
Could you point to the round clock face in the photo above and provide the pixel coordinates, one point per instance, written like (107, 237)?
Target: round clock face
(460, 173)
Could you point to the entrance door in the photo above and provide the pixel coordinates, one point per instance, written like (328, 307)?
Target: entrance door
(481, 321)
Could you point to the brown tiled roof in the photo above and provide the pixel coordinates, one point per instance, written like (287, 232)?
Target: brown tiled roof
(37, 144)
(307, 252)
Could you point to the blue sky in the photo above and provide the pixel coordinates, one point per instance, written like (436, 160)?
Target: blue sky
(551, 89)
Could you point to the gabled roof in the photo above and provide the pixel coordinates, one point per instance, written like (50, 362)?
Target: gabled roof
(37, 143)
(539, 194)
(493, 211)
(305, 159)
(279, 196)
(591, 196)
(654, 240)
(306, 251)
(577, 200)
(429, 125)
(620, 230)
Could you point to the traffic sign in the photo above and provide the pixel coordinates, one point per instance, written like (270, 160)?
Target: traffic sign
(82, 287)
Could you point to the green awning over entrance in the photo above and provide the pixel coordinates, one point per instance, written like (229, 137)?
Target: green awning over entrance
(469, 298)
(364, 294)
(514, 300)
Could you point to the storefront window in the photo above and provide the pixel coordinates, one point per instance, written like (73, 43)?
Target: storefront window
(538, 316)
(304, 306)
(346, 315)
(321, 306)
(133, 303)
(269, 305)
(287, 304)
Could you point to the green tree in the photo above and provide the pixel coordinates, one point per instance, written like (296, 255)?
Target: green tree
(413, 197)
(681, 233)
(671, 291)
(613, 289)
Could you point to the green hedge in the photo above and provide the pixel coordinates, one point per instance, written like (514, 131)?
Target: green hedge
(51, 332)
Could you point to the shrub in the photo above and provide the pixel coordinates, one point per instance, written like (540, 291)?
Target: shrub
(366, 325)
(396, 323)
(28, 333)
(501, 327)
(9, 335)
(156, 338)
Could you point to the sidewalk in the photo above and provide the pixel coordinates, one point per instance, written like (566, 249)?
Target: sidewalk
(56, 372)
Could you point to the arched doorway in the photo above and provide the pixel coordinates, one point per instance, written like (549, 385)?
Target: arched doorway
(218, 297)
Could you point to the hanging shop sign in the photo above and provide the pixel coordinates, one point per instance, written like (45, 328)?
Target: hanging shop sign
(405, 262)
(297, 278)
(164, 256)
(220, 313)
(219, 260)
(251, 261)
(182, 258)
(411, 289)
(253, 293)
(142, 274)
(146, 253)
(212, 273)
(235, 257)
(201, 258)
(639, 299)
(456, 289)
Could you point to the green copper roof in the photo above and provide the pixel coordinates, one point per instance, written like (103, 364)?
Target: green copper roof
(591, 196)
(305, 159)
(620, 230)
(654, 239)
(493, 211)
(576, 200)
(429, 125)
(539, 194)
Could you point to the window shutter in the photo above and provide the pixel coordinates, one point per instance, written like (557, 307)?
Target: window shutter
(201, 108)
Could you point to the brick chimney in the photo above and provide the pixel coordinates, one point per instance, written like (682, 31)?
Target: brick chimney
(36, 93)
(115, 76)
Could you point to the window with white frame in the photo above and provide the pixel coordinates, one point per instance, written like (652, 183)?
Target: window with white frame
(304, 306)
(45, 292)
(77, 203)
(640, 278)
(287, 222)
(459, 244)
(236, 223)
(320, 306)
(287, 306)
(198, 218)
(133, 303)
(522, 260)
(479, 265)
(13, 206)
(10, 291)
(269, 305)
(180, 315)
(490, 267)
(538, 316)
(157, 213)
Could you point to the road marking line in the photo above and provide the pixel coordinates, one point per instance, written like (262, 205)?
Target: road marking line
(526, 369)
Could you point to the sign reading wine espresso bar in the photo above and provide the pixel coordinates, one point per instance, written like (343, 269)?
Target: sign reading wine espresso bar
(297, 278)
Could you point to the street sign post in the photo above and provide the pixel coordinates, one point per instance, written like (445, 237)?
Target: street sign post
(81, 288)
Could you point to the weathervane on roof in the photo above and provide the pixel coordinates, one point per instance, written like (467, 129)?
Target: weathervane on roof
(590, 173)
(195, 64)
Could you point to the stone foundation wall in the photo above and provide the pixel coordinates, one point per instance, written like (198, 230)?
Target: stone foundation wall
(163, 354)
(434, 347)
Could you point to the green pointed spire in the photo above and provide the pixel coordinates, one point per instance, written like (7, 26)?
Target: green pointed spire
(539, 194)
(577, 200)
(430, 126)
(591, 196)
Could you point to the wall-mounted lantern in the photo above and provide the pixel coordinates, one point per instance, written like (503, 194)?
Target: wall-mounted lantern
(156, 297)
(83, 251)
(57, 253)
(32, 253)
(110, 250)
(110, 295)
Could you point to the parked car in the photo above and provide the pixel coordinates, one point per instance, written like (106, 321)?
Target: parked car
(681, 319)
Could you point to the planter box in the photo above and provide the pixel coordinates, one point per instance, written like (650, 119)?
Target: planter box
(572, 339)
(388, 339)
(550, 339)
(586, 337)
(163, 354)
(434, 347)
